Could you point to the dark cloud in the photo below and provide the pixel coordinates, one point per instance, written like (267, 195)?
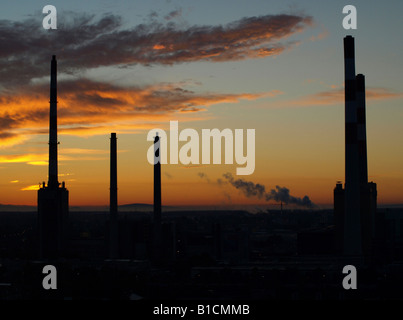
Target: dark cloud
(219, 182)
(6, 135)
(279, 194)
(202, 175)
(173, 14)
(29, 47)
(153, 14)
(84, 42)
(251, 190)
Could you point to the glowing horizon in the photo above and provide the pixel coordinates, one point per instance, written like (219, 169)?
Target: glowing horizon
(270, 68)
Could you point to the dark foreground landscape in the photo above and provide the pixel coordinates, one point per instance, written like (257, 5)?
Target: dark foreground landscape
(206, 255)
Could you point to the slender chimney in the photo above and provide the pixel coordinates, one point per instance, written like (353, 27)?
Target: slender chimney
(157, 250)
(352, 230)
(53, 175)
(53, 200)
(366, 190)
(157, 180)
(113, 204)
(114, 179)
(361, 129)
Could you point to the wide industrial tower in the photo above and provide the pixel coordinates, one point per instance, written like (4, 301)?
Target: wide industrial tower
(53, 198)
(352, 229)
(355, 205)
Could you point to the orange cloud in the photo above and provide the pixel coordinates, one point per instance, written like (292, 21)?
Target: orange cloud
(381, 94)
(88, 107)
(41, 159)
(324, 34)
(273, 93)
(9, 139)
(332, 97)
(34, 187)
(65, 174)
(158, 47)
(38, 163)
(25, 158)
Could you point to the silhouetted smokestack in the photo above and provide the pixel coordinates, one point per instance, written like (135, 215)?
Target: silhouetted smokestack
(53, 174)
(339, 210)
(157, 201)
(361, 129)
(352, 230)
(53, 200)
(367, 191)
(113, 204)
(157, 180)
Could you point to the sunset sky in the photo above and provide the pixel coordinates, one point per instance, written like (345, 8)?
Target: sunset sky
(131, 66)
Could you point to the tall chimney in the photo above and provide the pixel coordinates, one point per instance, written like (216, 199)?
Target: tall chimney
(113, 204)
(53, 174)
(53, 200)
(352, 230)
(157, 180)
(366, 190)
(157, 201)
(361, 129)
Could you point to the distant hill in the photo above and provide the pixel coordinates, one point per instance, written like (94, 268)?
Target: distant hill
(136, 207)
(145, 207)
(15, 208)
(123, 208)
(141, 207)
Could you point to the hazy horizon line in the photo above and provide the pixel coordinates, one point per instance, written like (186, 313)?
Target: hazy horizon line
(140, 207)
